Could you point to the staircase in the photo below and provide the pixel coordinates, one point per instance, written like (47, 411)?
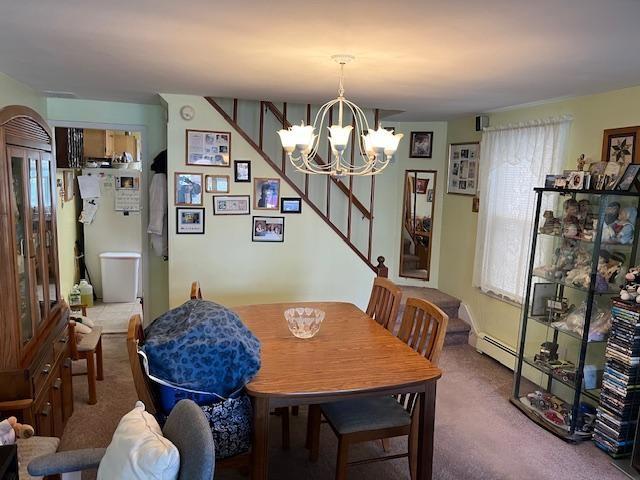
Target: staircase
(457, 329)
(345, 205)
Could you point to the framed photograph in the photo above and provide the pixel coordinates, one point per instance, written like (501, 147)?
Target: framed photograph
(68, 185)
(290, 205)
(188, 188)
(421, 186)
(127, 182)
(268, 229)
(628, 177)
(266, 193)
(421, 143)
(216, 183)
(611, 177)
(550, 180)
(208, 148)
(575, 180)
(190, 221)
(541, 293)
(242, 171)
(231, 204)
(619, 145)
(463, 167)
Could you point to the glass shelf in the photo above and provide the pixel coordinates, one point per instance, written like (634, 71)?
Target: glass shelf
(543, 321)
(582, 241)
(614, 290)
(593, 394)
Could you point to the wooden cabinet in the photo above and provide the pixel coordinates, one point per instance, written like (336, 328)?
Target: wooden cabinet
(35, 377)
(106, 143)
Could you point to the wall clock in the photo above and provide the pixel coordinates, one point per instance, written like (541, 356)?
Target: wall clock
(187, 112)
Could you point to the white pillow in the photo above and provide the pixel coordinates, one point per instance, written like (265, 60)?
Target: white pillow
(138, 451)
(82, 328)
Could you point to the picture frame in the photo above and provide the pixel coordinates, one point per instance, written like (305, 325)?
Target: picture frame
(575, 180)
(190, 221)
(541, 293)
(463, 168)
(628, 177)
(430, 195)
(421, 145)
(216, 183)
(266, 193)
(619, 145)
(421, 186)
(290, 205)
(231, 204)
(68, 177)
(242, 171)
(208, 148)
(188, 189)
(267, 229)
(127, 182)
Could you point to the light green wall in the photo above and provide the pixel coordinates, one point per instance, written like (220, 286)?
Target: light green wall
(152, 117)
(592, 114)
(13, 92)
(66, 218)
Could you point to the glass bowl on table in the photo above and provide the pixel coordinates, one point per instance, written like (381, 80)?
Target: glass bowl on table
(304, 322)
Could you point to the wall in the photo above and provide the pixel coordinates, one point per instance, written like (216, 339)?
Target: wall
(13, 92)
(67, 217)
(592, 114)
(152, 119)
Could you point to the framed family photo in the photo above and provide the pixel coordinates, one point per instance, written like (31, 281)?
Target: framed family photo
(462, 177)
(231, 205)
(216, 183)
(628, 177)
(188, 188)
(242, 171)
(421, 143)
(290, 205)
(208, 148)
(266, 193)
(190, 221)
(268, 229)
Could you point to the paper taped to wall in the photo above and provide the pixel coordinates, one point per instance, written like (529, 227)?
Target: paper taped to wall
(89, 186)
(89, 209)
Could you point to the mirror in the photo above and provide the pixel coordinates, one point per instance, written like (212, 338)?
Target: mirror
(417, 223)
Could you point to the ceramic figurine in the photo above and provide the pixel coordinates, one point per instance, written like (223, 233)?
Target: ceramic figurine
(581, 161)
(551, 224)
(623, 227)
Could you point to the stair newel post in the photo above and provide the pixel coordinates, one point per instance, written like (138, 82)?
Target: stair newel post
(381, 268)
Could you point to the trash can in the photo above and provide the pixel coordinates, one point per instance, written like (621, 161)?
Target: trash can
(119, 276)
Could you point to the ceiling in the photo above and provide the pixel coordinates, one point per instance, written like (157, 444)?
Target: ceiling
(430, 60)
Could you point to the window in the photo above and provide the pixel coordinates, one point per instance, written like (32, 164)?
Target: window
(514, 160)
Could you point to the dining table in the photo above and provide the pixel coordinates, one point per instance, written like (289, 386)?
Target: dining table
(351, 356)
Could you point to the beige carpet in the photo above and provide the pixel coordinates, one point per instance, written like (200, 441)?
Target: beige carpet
(479, 435)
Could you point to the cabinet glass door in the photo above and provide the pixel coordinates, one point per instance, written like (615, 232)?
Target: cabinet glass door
(49, 230)
(23, 261)
(37, 236)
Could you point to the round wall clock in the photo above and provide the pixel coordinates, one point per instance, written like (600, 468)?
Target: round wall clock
(187, 112)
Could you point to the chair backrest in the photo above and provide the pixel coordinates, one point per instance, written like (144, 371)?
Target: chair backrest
(196, 293)
(384, 302)
(188, 429)
(135, 337)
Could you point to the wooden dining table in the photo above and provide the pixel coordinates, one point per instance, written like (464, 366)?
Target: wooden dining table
(351, 356)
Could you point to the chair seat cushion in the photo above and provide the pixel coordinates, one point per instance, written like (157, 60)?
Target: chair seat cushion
(362, 415)
(89, 341)
(30, 448)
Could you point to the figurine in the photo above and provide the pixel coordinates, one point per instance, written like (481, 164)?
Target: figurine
(551, 224)
(581, 161)
(623, 227)
(611, 213)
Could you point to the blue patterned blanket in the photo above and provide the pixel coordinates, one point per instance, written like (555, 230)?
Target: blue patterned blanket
(202, 346)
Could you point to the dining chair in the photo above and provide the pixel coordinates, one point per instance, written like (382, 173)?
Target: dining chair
(423, 329)
(384, 302)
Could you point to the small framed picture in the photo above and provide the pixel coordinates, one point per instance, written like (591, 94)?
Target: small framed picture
(216, 183)
(242, 171)
(421, 186)
(188, 188)
(268, 229)
(628, 177)
(68, 185)
(619, 145)
(266, 193)
(542, 292)
(127, 182)
(190, 221)
(421, 144)
(231, 204)
(463, 169)
(290, 205)
(575, 180)
(208, 148)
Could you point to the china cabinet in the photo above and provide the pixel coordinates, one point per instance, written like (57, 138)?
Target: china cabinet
(35, 368)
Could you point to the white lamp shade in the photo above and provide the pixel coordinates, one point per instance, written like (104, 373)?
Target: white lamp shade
(339, 136)
(287, 140)
(392, 143)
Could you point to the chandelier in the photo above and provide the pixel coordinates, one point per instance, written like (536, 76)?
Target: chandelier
(374, 149)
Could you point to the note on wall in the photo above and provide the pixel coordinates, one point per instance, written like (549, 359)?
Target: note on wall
(89, 186)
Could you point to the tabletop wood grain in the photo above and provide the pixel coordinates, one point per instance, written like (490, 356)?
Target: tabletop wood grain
(350, 354)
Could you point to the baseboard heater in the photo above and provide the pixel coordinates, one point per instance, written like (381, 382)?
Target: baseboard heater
(496, 349)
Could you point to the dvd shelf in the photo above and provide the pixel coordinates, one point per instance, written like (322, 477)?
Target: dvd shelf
(583, 245)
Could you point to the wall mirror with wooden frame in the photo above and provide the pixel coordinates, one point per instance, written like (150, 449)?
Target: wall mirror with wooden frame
(417, 223)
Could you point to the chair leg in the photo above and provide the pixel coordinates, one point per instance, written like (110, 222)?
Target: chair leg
(100, 370)
(286, 432)
(343, 458)
(91, 377)
(313, 432)
(413, 443)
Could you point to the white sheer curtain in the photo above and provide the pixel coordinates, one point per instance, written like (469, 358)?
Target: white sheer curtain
(514, 159)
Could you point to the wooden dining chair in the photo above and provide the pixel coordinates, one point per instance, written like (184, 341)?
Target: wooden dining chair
(87, 347)
(384, 302)
(423, 329)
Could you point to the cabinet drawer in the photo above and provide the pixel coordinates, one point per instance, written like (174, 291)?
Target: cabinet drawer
(43, 372)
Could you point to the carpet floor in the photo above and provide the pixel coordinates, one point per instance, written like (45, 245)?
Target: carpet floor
(479, 434)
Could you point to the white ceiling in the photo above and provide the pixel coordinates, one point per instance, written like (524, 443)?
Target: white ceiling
(429, 59)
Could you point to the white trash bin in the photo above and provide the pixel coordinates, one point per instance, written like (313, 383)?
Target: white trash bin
(119, 276)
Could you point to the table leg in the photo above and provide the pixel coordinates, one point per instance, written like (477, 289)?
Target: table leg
(426, 425)
(260, 447)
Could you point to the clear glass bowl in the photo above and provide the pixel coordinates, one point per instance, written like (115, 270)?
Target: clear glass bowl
(304, 322)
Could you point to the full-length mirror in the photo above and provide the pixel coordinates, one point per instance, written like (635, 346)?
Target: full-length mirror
(417, 223)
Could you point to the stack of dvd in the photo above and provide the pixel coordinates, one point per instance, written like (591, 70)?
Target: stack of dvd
(620, 394)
